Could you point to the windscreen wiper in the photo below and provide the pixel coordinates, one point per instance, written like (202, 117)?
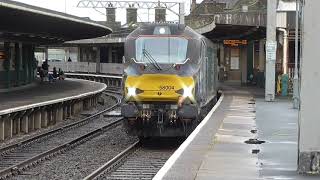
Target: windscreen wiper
(151, 59)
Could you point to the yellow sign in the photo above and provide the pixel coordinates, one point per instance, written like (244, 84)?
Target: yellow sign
(235, 42)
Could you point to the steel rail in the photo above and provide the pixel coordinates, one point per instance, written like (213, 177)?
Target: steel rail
(29, 141)
(112, 91)
(136, 162)
(54, 151)
(114, 161)
(7, 149)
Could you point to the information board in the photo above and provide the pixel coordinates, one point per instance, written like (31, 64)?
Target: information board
(271, 50)
(236, 43)
(234, 65)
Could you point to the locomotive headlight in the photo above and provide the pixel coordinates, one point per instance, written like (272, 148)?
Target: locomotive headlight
(131, 91)
(187, 91)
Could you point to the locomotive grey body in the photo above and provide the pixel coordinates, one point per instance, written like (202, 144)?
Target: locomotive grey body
(170, 77)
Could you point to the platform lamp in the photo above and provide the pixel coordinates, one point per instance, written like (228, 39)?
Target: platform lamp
(65, 6)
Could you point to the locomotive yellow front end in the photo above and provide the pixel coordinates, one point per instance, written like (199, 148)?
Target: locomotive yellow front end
(159, 81)
(159, 88)
(159, 104)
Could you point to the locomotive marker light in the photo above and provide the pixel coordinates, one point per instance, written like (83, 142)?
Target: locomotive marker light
(187, 95)
(162, 31)
(131, 91)
(187, 92)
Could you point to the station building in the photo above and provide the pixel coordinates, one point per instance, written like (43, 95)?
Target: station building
(24, 28)
(239, 27)
(105, 49)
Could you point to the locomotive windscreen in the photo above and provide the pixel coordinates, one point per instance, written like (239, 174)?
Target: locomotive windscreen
(164, 50)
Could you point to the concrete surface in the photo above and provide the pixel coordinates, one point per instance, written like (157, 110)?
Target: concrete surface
(277, 124)
(46, 91)
(230, 158)
(219, 151)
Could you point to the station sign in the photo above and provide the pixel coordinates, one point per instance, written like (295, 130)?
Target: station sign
(235, 42)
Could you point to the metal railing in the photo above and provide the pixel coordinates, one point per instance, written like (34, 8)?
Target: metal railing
(290, 67)
(88, 67)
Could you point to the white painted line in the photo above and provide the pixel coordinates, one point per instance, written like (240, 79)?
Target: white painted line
(168, 165)
(240, 116)
(94, 75)
(30, 106)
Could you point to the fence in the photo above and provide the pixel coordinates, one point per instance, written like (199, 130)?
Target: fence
(88, 67)
(290, 73)
(290, 67)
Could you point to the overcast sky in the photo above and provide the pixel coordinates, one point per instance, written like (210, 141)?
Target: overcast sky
(70, 6)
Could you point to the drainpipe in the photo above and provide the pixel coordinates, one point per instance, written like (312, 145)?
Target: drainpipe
(285, 50)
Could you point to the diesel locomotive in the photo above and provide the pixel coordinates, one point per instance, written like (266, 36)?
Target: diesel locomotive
(170, 77)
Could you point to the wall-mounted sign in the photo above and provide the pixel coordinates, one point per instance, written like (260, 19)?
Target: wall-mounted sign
(271, 50)
(234, 65)
(235, 42)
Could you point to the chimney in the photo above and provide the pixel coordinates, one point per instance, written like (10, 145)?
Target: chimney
(132, 15)
(160, 14)
(111, 14)
(193, 5)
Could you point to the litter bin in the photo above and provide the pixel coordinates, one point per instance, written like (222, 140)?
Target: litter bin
(284, 84)
(260, 79)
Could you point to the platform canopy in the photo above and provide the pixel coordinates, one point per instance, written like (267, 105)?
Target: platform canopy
(226, 31)
(21, 22)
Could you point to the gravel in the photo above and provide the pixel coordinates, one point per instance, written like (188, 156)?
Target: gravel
(83, 159)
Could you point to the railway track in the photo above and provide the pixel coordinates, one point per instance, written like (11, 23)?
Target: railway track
(20, 156)
(113, 89)
(138, 161)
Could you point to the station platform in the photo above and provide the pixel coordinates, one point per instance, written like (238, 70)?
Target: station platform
(44, 92)
(220, 147)
(44, 104)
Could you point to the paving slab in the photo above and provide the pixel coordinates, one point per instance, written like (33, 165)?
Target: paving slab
(277, 124)
(220, 152)
(230, 157)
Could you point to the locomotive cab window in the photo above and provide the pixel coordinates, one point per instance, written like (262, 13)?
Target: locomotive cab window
(164, 50)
